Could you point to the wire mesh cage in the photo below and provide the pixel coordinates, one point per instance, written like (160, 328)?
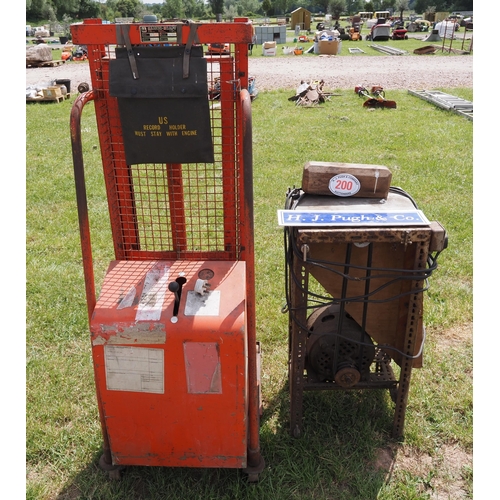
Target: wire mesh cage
(171, 209)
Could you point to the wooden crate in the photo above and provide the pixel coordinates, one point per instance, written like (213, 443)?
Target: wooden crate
(53, 92)
(326, 178)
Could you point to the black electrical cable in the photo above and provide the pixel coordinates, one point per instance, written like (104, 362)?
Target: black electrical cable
(402, 192)
(293, 197)
(364, 298)
(318, 262)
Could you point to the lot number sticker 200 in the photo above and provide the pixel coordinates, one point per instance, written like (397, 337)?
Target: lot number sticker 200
(344, 185)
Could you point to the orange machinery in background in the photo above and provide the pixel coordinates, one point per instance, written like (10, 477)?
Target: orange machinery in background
(175, 354)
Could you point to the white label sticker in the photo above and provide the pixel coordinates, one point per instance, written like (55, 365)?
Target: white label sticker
(207, 304)
(344, 185)
(137, 369)
(153, 294)
(128, 300)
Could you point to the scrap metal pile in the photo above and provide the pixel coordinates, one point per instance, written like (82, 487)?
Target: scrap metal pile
(214, 89)
(375, 98)
(310, 93)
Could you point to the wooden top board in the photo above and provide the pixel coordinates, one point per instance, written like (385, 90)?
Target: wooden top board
(346, 179)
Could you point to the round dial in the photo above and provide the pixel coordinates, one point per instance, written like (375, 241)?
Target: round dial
(206, 274)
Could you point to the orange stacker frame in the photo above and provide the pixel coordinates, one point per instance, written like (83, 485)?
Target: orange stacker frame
(176, 359)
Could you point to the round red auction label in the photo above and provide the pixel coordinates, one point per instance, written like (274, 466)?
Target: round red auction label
(344, 185)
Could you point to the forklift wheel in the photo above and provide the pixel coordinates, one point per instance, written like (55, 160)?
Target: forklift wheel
(114, 471)
(115, 475)
(253, 472)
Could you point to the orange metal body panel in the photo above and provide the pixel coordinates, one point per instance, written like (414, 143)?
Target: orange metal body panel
(173, 393)
(105, 34)
(181, 392)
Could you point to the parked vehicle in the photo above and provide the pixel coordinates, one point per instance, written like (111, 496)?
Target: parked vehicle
(41, 31)
(468, 23)
(380, 32)
(364, 16)
(218, 49)
(399, 34)
(419, 25)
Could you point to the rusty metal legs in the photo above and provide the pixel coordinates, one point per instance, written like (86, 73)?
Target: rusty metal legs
(383, 376)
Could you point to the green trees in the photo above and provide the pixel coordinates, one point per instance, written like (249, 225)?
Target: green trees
(217, 8)
(400, 6)
(337, 7)
(88, 8)
(443, 5)
(57, 9)
(267, 7)
(54, 10)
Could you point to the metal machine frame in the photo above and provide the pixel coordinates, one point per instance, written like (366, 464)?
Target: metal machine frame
(356, 294)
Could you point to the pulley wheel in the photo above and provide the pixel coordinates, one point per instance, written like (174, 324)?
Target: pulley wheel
(348, 376)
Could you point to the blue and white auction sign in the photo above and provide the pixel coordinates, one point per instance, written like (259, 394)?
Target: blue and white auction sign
(321, 218)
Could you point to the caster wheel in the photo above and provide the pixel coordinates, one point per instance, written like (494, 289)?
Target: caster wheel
(115, 475)
(114, 471)
(253, 478)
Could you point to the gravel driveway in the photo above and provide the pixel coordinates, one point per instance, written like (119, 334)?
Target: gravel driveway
(285, 72)
(391, 72)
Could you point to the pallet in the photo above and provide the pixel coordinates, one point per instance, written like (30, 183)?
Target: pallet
(44, 64)
(48, 99)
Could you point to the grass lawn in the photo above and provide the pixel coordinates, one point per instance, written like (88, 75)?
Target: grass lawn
(346, 451)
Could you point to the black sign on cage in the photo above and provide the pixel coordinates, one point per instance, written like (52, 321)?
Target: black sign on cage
(165, 114)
